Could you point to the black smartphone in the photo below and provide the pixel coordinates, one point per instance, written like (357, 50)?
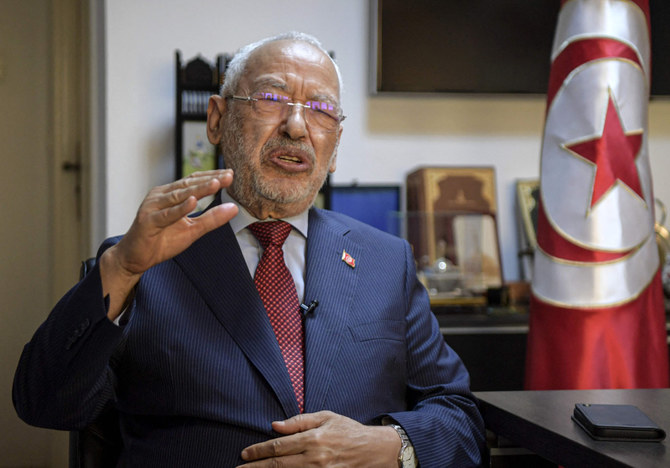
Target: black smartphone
(617, 422)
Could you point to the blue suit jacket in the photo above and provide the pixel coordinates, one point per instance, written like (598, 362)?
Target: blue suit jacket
(197, 374)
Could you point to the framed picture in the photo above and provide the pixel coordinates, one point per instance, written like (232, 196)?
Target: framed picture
(457, 188)
(527, 198)
(198, 153)
(527, 193)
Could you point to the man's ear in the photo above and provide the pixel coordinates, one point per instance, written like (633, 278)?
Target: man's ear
(216, 109)
(333, 161)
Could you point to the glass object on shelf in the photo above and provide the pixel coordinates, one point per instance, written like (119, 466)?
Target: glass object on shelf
(457, 253)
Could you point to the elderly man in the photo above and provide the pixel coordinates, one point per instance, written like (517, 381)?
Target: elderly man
(193, 328)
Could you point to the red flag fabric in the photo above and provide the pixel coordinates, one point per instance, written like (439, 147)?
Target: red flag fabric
(597, 318)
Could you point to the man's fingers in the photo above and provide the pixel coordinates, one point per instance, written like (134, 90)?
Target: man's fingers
(198, 185)
(170, 215)
(197, 226)
(213, 218)
(167, 204)
(287, 461)
(302, 422)
(324, 439)
(273, 448)
(210, 173)
(291, 444)
(199, 178)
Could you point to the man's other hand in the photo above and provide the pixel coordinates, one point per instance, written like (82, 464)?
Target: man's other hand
(325, 439)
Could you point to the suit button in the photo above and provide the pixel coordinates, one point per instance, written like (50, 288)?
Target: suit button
(76, 333)
(82, 327)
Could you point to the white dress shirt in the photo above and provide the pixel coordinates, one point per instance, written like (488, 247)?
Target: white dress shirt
(294, 247)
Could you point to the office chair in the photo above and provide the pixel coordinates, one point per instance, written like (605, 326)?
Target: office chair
(98, 445)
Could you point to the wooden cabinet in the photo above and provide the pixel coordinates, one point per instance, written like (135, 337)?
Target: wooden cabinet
(492, 344)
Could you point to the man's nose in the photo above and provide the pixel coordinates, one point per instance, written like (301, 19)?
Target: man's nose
(294, 124)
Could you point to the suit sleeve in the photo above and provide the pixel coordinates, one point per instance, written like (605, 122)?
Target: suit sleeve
(63, 379)
(443, 423)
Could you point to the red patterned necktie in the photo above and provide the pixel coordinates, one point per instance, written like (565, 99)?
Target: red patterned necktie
(277, 290)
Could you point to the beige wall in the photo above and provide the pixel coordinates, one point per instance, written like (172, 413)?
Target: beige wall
(25, 213)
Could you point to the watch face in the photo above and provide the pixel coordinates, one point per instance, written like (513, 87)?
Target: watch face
(408, 457)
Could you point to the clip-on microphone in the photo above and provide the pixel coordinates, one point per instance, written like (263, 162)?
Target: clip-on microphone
(306, 309)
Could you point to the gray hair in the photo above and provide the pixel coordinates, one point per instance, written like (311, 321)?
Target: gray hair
(239, 62)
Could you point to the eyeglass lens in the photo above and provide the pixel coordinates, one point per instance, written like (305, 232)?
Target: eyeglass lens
(319, 114)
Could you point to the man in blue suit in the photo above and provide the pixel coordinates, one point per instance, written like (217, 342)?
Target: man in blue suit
(170, 328)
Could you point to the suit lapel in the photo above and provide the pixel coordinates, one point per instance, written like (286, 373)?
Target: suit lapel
(332, 282)
(216, 267)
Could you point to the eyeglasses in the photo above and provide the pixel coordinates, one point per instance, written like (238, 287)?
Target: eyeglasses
(271, 107)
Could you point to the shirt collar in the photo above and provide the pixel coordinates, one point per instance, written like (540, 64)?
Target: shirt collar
(244, 218)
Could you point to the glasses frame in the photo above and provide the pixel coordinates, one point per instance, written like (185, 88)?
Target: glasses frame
(305, 107)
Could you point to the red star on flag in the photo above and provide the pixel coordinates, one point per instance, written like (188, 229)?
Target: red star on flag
(614, 154)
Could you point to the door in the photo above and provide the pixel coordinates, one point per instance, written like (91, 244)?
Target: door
(43, 120)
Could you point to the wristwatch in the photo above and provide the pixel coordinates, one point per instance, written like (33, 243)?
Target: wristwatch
(406, 456)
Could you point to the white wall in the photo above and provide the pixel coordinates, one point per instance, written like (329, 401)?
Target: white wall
(384, 137)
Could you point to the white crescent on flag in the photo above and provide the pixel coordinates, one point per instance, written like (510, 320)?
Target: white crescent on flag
(619, 19)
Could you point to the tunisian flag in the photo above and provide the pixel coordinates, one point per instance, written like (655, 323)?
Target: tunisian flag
(597, 318)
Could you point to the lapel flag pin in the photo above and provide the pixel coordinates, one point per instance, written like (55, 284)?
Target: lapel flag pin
(348, 259)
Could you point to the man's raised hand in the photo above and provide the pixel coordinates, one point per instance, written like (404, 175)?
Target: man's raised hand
(162, 229)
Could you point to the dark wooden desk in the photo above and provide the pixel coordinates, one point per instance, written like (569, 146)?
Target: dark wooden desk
(540, 422)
